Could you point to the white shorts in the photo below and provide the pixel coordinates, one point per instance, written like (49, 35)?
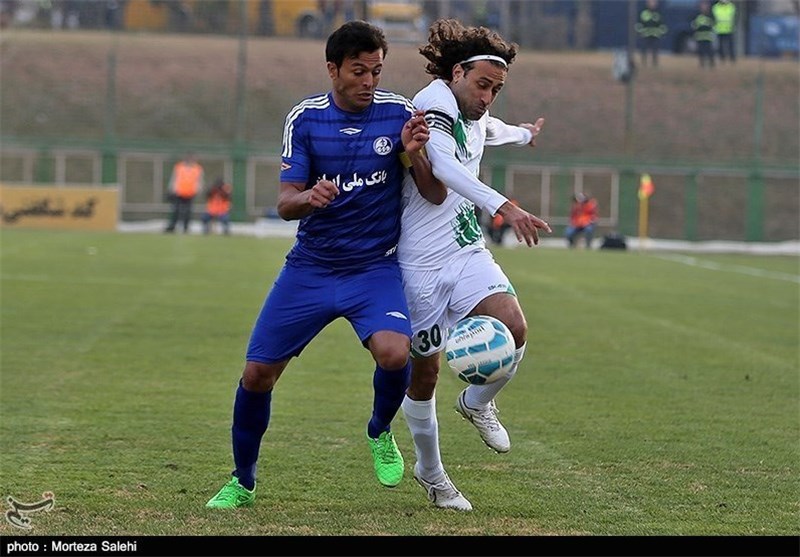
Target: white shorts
(438, 299)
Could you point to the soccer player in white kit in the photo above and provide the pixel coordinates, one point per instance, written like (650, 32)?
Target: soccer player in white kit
(448, 272)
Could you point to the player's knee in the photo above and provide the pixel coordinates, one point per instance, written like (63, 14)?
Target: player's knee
(259, 377)
(519, 328)
(391, 356)
(390, 350)
(424, 376)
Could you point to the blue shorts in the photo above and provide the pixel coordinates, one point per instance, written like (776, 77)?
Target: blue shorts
(306, 298)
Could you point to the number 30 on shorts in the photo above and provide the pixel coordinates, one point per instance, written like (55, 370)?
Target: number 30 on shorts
(428, 340)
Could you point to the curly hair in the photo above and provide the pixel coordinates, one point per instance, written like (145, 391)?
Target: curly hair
(449, 43)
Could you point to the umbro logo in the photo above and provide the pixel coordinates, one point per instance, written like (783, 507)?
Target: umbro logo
(396, 314)
(350, 131)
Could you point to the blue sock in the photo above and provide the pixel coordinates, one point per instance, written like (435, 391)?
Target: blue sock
(390, 388)
(250, 420)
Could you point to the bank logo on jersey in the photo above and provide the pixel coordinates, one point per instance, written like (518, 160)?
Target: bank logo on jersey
(382, 145)
(350, 131)
(466, 230)
(347, 183)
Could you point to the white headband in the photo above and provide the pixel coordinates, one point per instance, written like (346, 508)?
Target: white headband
(490, 57)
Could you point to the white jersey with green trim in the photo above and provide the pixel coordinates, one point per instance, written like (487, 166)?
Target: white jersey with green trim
(431, 234)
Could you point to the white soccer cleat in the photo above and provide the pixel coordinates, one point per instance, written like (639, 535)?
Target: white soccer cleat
(444, 494)
(485, 421)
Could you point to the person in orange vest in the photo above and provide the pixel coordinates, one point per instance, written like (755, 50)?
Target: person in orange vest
(218, 206)
(184, 185)
(582, 219)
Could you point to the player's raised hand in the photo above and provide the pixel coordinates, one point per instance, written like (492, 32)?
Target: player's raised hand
(415, 132)
(526, 226)
(322, 193)
(535, 129)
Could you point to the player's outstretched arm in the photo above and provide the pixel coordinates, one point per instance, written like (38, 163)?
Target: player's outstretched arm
(526, 225)
(500, 133)
(454, 175)
(535, 130)
(448, 169)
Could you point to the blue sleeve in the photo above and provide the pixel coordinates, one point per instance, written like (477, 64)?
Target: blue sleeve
(295, 156)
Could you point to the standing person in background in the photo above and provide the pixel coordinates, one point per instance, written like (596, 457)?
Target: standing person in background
(582, 219)
(342, 168)
(703, 27)
(218, 206)
(184, 185)
(448, 272)
(650, 28)
(724, 12)
(329, 10)
(349, 10)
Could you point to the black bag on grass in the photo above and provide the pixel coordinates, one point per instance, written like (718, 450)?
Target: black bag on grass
(614, 241)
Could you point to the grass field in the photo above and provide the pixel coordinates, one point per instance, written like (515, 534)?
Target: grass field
(658, 397)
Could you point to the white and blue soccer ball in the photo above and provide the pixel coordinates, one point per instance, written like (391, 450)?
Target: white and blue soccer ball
(480, 349)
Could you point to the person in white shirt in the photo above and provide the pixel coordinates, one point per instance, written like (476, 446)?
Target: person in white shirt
(448, 272)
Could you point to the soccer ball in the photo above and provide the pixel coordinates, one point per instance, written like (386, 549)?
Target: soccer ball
(480, 349)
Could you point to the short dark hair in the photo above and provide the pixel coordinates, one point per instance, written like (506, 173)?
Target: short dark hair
(353, 38)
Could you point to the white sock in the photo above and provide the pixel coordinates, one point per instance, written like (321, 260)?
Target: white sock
(478, 396)
(421, 419)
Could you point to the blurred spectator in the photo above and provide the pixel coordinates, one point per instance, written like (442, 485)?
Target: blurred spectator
(329, 10)
(64, 14)
(724, 12)
(703, 27)
(8, 11)
(650, 28)
(114, 12)
(212, 15)
(179, 13)
(45, 14)
(266, 25)
(184, 185)
(218, 206)
(349, 10)
(582, 219)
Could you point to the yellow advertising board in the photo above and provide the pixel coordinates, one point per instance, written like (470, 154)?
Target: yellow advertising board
(64, 207)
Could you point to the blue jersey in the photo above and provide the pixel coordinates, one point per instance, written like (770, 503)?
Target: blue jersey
(359, 152)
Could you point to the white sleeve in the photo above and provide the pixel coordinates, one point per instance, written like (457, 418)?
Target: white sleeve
(500, 133)
(441, 149)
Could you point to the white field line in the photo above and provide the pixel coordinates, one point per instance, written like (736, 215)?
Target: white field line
(741, 269)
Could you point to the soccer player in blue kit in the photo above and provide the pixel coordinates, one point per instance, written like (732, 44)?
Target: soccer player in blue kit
(345, 154)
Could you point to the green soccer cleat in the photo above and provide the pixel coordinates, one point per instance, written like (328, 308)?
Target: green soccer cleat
(232, 495)
(387, 459)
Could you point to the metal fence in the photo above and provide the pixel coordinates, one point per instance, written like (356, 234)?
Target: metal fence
(126, 123)
(691, 202)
